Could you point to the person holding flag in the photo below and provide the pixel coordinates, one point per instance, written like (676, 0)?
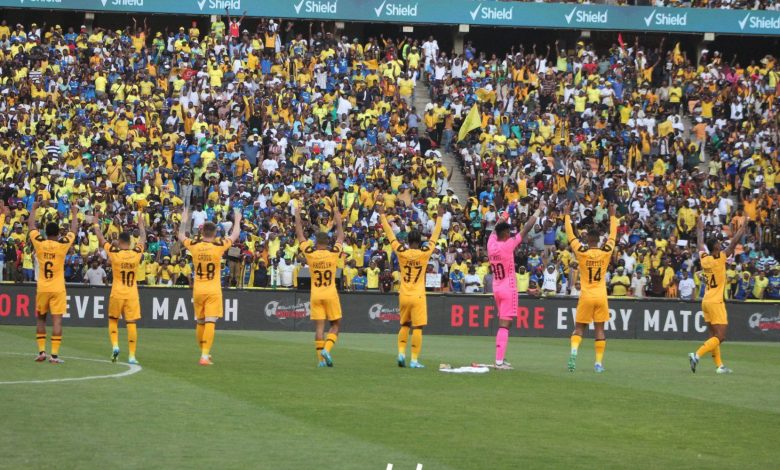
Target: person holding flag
(473, 121)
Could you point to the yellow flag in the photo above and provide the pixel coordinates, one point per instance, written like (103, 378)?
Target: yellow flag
(371, 64)
(471, 122)
(484, 95)
(677, 54)
(665, 128)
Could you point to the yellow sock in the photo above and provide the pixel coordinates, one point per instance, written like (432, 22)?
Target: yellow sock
(319, 345)
(132, 338)
(330, 341)
(208, 338)
(40, 338)
(403, 338)
(416, 343)
(716, 357)
(575, 343)
(601, 345)
(113, 331)
(56, 341)
(708, 346)
(199, 327)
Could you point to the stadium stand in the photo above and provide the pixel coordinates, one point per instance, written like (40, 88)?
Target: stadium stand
(133, 122)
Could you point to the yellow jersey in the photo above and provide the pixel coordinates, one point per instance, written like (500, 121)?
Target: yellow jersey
(207, 259)
(51, 260)
(715, 272)
(124, 266)
(323, 265)
(413, 262)
(593, 262)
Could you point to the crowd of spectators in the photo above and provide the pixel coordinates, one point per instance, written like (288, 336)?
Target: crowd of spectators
(665, 137)
(292, 116)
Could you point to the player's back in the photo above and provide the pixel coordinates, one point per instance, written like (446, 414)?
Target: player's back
(715, 272)
(207, 260)
(501, 254)
(323, 265)
(413, 263)
(124, 265)
(51, 260)
(593, 263)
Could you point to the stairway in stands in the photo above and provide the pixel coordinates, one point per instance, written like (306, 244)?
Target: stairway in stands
(458, 183)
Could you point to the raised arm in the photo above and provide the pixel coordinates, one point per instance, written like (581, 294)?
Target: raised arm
(380, 209)
(299, 226)
(700, 234)
(613, 225)
(31, 224)
(235, 232)
(141, 230)
(74, 219)
(437, 228)
(532, 220)
(185, 221)
(339, 226)
(570, 235)
(98, 232)
(735, 239)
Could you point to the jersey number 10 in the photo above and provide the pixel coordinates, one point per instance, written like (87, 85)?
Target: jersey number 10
(498, 271)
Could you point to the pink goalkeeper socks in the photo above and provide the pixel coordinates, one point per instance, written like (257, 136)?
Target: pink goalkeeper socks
(502, 337)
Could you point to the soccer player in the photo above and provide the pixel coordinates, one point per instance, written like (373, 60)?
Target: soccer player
(124, 301)
(413, 261)
(207, 251)
(50, 296)
(501, 254)
(713, 262)
(592, 304)
(325, 305)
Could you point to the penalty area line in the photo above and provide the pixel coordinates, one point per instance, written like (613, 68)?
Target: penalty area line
(131, 369)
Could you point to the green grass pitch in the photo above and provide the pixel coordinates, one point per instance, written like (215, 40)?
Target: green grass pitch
(265, 405)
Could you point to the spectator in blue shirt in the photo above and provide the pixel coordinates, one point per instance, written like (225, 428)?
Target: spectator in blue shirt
(359, 282)
(773, 288)
(456, 281)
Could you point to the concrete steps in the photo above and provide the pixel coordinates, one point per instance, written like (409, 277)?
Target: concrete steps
(420, 99)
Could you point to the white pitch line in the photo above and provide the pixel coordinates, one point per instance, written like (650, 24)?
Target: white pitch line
(131, 369)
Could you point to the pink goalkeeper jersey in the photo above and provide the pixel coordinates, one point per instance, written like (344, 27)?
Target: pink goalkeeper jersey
(502, 262)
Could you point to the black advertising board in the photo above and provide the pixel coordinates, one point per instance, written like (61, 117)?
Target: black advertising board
(281, 310)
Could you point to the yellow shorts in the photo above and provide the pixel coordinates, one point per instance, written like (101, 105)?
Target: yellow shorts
(592, 310)
(129, 309)
(715, 313)
(326, 309)
(51, 302)
(208, 305)
(414, 309)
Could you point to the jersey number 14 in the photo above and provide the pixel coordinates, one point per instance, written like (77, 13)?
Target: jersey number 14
(594, 276)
